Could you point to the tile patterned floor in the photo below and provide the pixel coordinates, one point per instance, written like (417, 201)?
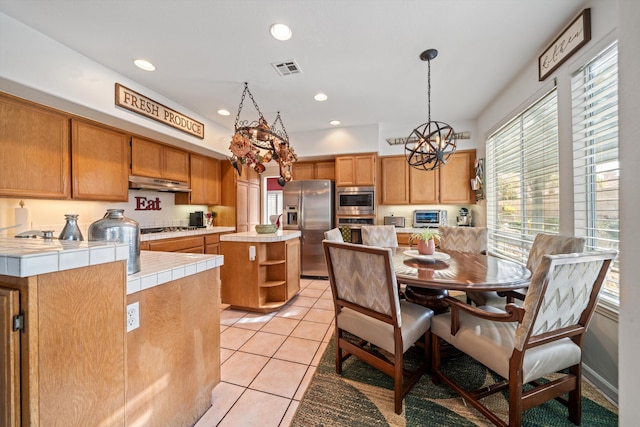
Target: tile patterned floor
(268, 360)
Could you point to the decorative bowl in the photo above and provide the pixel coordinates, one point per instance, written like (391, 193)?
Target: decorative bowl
(266, 228)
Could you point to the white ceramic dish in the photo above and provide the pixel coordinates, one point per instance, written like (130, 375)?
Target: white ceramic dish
(437, 256)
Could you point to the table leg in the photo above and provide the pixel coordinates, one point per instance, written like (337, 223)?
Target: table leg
(430, 298)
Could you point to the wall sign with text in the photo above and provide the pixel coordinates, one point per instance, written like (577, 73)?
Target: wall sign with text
(572, 38)
(133, 101)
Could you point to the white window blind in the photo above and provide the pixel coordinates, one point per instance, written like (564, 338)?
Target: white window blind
(274, 204)
(596, 168)
(522, 179)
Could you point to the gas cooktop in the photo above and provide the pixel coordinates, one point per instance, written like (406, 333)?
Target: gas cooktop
(151, 230)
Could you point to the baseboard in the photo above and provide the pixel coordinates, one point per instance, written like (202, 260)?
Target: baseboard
(601, 384)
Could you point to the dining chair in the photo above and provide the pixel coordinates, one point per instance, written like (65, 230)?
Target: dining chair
(543, 244)
(523, 345)
(367, 307)
(334, 235)
(463, 239)
(383, 236)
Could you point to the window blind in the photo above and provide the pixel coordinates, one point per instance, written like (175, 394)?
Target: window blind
(596, 168)
(522, 179)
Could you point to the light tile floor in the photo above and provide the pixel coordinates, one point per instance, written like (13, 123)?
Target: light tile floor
(268, 360)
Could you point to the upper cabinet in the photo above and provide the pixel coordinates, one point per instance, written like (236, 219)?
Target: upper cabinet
(325, 169)
(455, 178)
(158, 161)
(100, 163)
(355, 170)
(450, 184)
(34, 151)
(205, 182)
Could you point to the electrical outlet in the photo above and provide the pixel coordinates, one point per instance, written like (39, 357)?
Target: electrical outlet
(133, 316)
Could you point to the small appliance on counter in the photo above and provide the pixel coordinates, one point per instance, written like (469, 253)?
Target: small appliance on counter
(397, 221)
(429, 218)
(196, 219)
(463, 219)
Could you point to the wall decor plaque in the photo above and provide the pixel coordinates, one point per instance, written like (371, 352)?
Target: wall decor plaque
(133, 101)
(572, 38)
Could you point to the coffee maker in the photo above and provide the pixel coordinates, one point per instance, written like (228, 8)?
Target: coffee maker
(463, 219)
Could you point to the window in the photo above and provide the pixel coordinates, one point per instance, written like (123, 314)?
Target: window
(596, 169)
(273, 200)
(522, 179)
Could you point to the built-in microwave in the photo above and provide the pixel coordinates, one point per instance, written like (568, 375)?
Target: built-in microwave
(355, 201)
(429, 218)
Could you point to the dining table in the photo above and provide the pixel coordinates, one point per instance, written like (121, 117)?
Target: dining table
(429, 278)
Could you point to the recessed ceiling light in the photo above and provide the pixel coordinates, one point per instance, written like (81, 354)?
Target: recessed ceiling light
(224, 112)
(320, 97)
(280, 32)
(144, 65)
(334, 122)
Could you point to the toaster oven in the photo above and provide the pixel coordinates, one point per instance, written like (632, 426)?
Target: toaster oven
(429, 218)
(397, 221)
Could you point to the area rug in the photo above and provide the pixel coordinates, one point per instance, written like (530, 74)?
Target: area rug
(363, 396)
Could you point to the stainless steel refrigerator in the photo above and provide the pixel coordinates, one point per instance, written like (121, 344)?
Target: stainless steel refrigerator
(308, 207)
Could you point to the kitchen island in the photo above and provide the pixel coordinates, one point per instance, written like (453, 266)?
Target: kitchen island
(74, 359)
(261, 271)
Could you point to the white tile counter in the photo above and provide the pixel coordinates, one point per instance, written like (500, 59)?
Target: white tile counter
(31, 257)
(172, 234)
(157, 268)
(252, 236)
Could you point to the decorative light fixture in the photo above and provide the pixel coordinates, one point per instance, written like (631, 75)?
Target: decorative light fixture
(430, 145)
(255, 143)
(143, 64)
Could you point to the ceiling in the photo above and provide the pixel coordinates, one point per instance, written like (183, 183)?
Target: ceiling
(364, 54)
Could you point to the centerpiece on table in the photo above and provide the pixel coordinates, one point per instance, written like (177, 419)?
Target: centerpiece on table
(426, 240)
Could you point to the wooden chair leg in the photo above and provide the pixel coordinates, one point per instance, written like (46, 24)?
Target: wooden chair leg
(515, 399)
(575, 396)
(435, 358)
(398, 387)
(338, 352)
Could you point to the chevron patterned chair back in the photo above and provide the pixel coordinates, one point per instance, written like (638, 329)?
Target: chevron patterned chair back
(367, 307)
(464, 239)
(383, 236)
(542, 338)
(335, 235)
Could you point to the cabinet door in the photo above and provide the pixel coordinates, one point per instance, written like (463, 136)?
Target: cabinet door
(10, 373)
(365, 170)
(242, 206)
(146, 158)
(395, 180)
(212, 181)
(34, 151)
(325, 170)
(423, 186)
(100, 163)
(175, 164)
(293, 267)
(303, 170)
(253, 206)
(455, 178)
(345, 171)
(198, 184)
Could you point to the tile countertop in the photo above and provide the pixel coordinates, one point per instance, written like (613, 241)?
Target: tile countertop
(30, 257)
(157, 268)
(252, 236)
(172, 234)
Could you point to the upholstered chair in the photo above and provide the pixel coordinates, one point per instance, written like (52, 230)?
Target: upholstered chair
(542, 338)
(334, 235)
(367, 307)
(463, 239)
(383, 236)
(543, 244)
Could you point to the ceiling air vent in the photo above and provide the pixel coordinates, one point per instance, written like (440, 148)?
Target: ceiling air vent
(287, 68)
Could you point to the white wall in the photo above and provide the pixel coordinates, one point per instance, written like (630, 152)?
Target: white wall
(602, 343)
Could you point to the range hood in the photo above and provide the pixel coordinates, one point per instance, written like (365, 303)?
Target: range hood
(157, 184)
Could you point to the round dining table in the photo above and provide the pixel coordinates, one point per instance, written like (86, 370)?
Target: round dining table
(429, 278)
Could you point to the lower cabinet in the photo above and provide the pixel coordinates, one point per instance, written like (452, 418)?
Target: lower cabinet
(264, 284)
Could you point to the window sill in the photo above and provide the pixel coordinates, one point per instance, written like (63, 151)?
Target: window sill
(607, 309)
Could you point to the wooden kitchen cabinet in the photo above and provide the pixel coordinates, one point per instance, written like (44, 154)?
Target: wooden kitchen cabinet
(34, 151)
(355, 170)
(155, 160)
(240, 198)
(205, 182)
(10, 393)
(314, 170)
(455, 179)
(303, 170)
(187, 244)
(450, 184)
(100, 163)
(212, 244)
(72, 364)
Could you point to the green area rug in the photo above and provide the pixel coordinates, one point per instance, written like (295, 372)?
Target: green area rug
(363, 396)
